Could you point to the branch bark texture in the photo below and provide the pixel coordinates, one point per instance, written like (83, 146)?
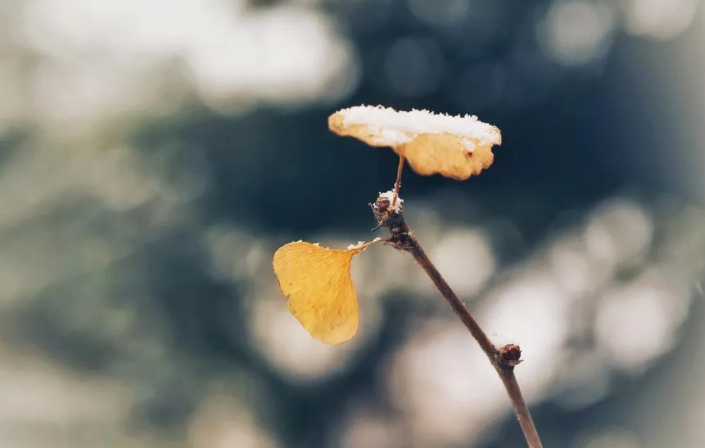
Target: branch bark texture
(503, 360)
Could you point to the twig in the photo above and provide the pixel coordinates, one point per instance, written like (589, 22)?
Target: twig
(397, 183)
(504, 359)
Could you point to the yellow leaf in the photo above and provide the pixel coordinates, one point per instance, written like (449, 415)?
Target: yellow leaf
(456, 147)
(317, 283)
(447, 155)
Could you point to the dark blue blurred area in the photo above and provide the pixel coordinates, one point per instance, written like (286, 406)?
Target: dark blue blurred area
(594, 131)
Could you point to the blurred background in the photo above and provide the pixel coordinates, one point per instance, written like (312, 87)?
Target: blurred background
(155, 153)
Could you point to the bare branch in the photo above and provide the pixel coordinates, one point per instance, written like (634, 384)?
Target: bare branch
(503, 360)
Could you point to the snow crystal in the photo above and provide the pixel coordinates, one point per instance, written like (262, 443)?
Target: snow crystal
(363, 245)
(356, 246)
(399, 127)
(390, 196)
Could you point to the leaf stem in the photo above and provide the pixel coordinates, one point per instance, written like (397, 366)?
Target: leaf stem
(397, 183)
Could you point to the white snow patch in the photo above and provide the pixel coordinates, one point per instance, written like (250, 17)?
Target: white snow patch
(398, 127)
(390, 196)
(362, 244)
(356, 246)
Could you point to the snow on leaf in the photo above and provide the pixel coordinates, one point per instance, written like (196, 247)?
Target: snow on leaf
(453, 146)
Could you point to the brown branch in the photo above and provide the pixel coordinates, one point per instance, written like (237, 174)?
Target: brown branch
(397, 183)
(504, 359)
